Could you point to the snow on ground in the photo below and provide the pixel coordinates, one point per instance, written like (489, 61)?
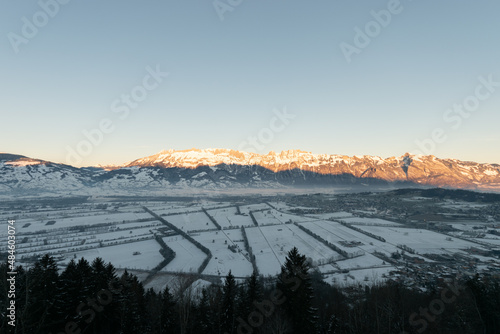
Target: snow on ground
(285, 207)
(214, 205)
(227, 218)
(369, 221)
(68, 241)
(469, 226)
(266, 218)
(267, 261)
(365, 261)
(489, 239)
(368, 277)
(99, 228)
(174, 210)
(63, 240)
(451, 204)
(327, 268)
(236, 237)
(124, 226)
(422, 241)
(165, 205)
(253, 207)
(288, 217)
(281, 205)
(271, 245)
(223, 259)
(334, 215)
(47, 212)
(306, 244)
(188, 257)
(121, 256)
(87, 220)
(222, 216)
(338, 234)
(192, 221)
(123, 234)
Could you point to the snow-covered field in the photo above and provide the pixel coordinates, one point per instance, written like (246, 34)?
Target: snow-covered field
(270, 245)
(223, 259)
(37, 224)
(228, 217)
(360, 262)
(253, 207)
(188, 258)
(489, 239)
(266, 218)
(340, 235)
(122, 256)
(369, 221)
(124, 233)
(422, 241)
(192, 222)
(469, 226)
(267, 261)
(334, 215)
(174, 209)
(364, 277)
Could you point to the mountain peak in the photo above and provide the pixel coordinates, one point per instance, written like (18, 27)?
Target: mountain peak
(19, 160)
(10, 157)
(229, 168)
(408, 167)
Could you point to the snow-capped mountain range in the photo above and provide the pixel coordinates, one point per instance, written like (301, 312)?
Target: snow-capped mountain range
(213, 169)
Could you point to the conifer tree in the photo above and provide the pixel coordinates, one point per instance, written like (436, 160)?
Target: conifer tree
(168, 316)
(203, 323)
(295, 284)
(229, 304)
(40, 311)
(68, 294)
(132, 303)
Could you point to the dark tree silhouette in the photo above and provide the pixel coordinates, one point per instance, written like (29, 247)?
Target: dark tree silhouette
(229, 304)
(47, 302)
(295, 284)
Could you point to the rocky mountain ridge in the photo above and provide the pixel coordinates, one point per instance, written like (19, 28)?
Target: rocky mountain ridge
(215, 169)
(427, 170)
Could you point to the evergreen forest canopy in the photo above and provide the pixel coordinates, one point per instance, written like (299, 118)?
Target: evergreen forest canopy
(91, 298)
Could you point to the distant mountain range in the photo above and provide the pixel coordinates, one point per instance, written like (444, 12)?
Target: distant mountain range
(215, 169)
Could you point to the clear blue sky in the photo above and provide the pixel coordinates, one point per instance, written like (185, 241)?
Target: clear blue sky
(227, 76)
